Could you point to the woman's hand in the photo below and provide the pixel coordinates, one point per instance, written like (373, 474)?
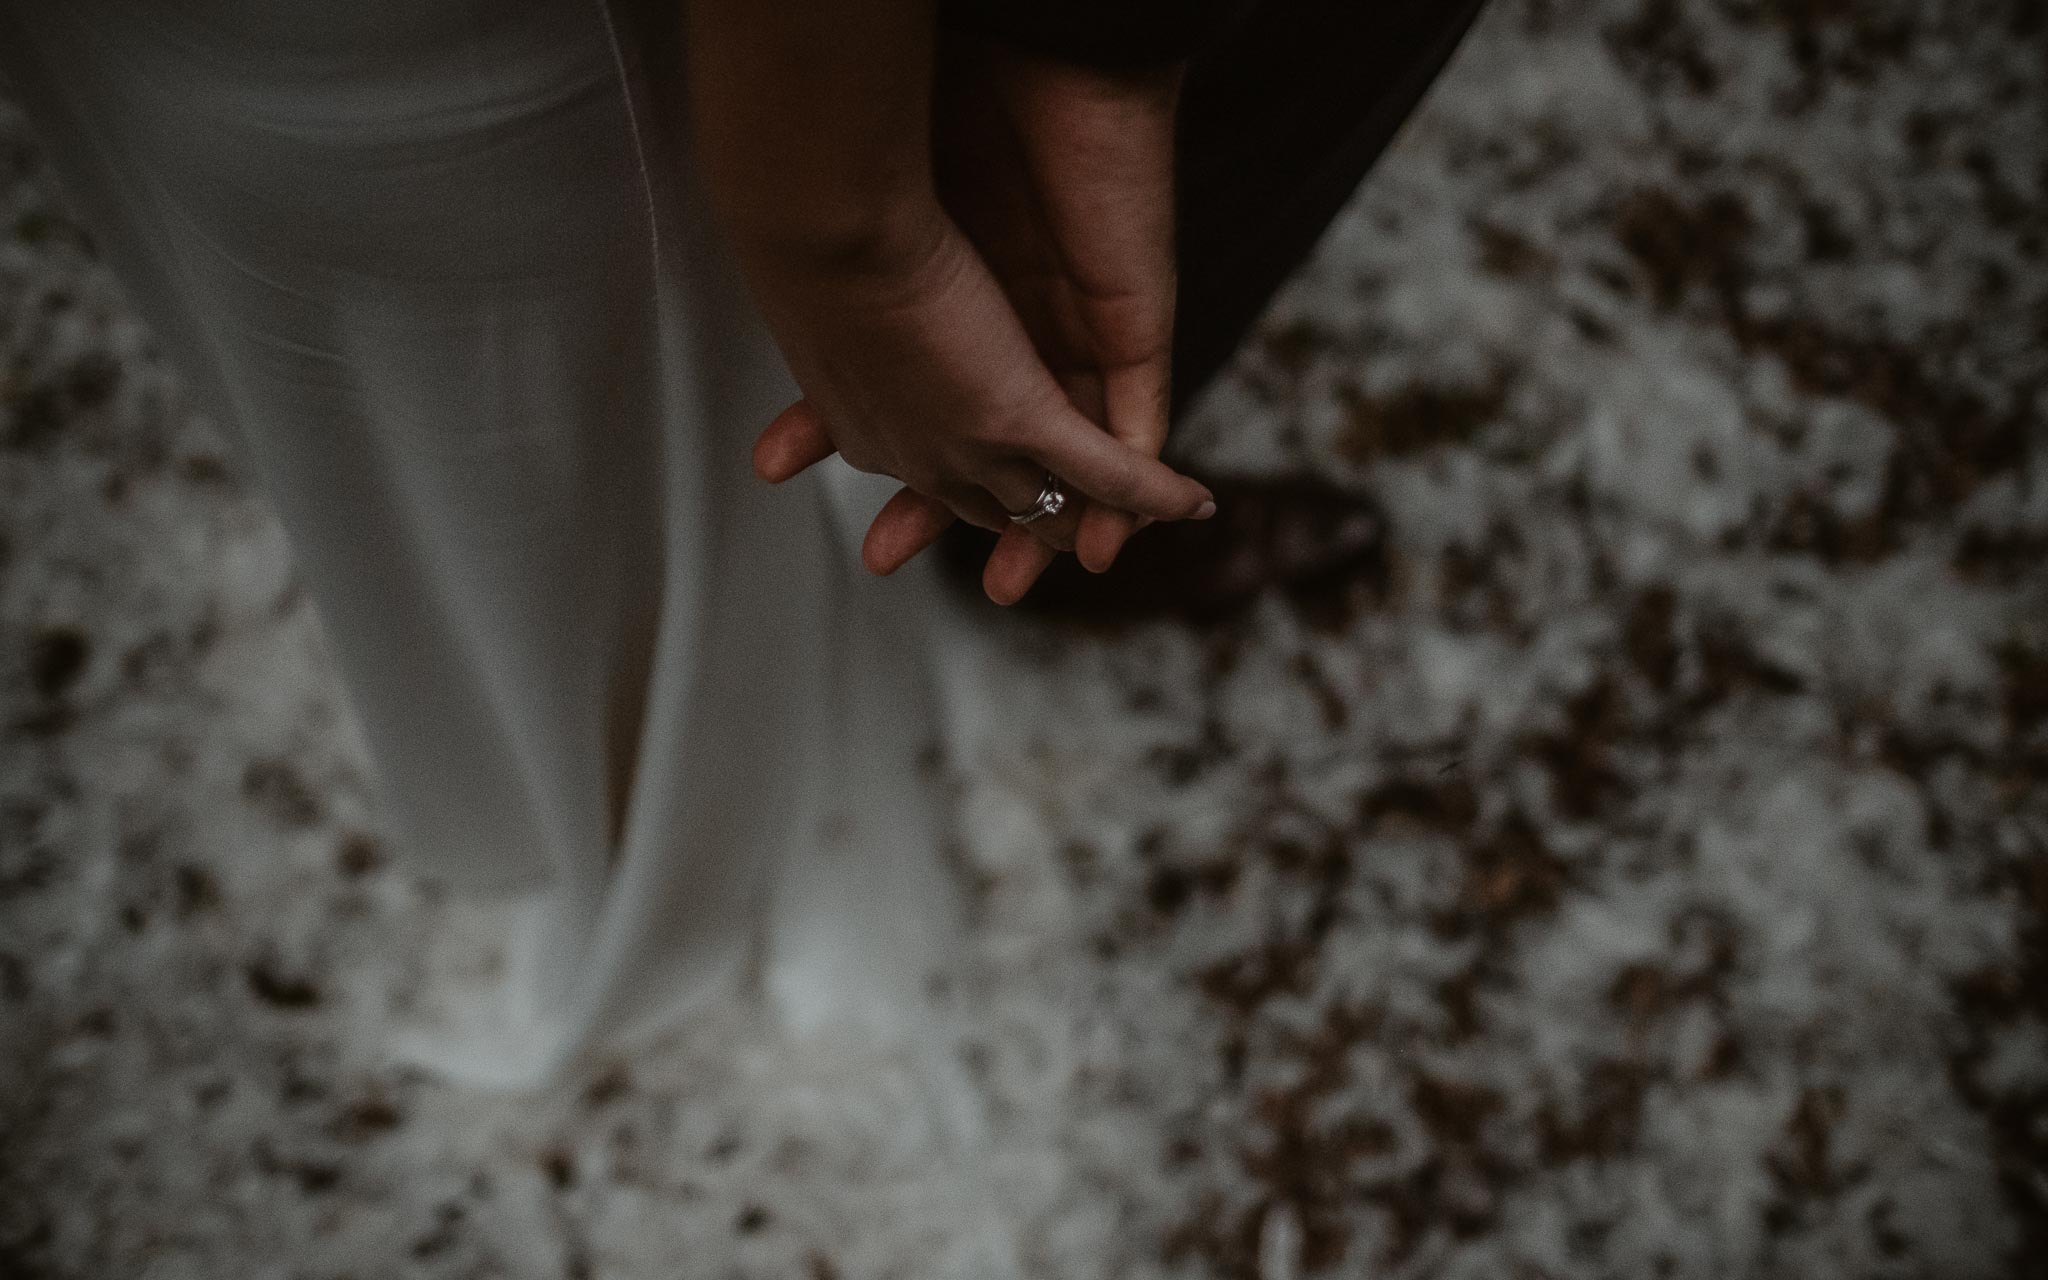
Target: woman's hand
(917, 366)
(1063, 178)
(812, 118)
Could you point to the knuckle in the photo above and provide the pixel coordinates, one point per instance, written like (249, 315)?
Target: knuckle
(979, 515)
(1059, 538)
(863, 457)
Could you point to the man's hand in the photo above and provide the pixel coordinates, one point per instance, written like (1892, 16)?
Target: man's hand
(1063, 178)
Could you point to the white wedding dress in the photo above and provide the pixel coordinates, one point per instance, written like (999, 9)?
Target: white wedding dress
(441, 269)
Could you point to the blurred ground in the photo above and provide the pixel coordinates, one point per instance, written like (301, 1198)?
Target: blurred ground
(1639, 868)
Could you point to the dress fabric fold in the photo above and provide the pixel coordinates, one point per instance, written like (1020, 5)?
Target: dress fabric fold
(439, 269)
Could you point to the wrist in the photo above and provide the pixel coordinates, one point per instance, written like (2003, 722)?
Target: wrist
(813, 128)
(1133, 36)
(847, 241)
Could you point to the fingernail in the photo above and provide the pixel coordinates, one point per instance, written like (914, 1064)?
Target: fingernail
(1204, 511)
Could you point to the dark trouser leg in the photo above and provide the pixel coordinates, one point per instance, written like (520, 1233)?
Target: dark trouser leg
(1280, 122)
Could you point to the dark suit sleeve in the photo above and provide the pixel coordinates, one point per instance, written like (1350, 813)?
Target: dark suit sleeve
(1113, 34)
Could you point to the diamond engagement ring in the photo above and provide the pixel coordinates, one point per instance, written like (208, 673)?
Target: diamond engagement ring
(1050, 500)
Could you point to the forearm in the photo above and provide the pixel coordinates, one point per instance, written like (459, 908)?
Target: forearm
(1131, 35)
(812, 122)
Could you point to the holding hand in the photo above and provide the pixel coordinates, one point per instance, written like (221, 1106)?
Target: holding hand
(919, 368)
(1063, 177)
(813, 123)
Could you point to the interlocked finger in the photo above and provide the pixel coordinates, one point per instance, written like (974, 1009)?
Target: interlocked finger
(975, 505)
(1091, 461)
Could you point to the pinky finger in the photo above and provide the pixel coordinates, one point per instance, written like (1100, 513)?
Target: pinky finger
(796, 439)
(907, 524)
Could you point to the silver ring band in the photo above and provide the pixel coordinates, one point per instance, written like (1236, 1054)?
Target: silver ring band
(1051, 499)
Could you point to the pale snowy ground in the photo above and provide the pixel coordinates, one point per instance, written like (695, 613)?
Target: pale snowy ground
(1642, 872)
